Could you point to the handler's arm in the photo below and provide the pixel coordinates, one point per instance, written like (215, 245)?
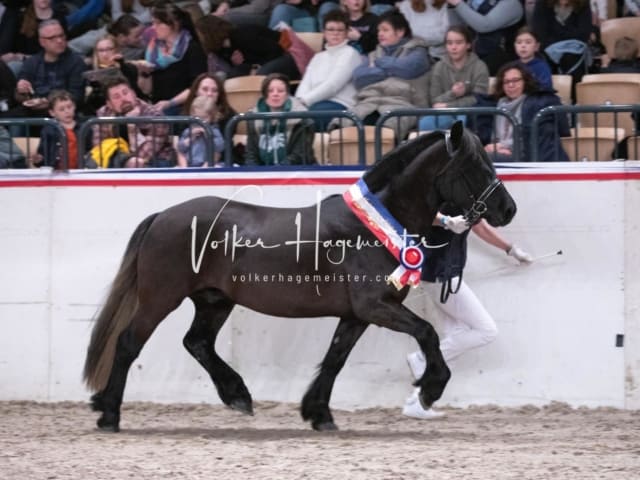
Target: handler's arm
(490, 235)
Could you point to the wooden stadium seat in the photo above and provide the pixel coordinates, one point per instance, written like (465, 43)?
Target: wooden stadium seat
(28, 145)
(562, 85)
(343, 144)
(243, 94)
(321, 147)
(492, 85)
(608, 93)
(611, 77)
(315, 40)
(614, 28)
(590, 144)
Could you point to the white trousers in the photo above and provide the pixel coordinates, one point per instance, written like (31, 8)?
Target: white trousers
(466, 323)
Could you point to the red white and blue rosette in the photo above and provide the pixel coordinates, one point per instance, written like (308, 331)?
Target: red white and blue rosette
(372, 213)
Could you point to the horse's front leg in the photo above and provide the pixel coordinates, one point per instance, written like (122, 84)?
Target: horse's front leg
(212, 310)
(315, 404)
(395, 316)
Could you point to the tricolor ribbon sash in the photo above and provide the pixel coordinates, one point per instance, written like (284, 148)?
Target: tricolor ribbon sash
(368, 208)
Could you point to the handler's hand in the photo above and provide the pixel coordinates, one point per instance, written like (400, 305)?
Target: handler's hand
(523, 257)
(456, 224)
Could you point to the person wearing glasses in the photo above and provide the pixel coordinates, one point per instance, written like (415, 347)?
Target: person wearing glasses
(326, 84)
(518, 93)
(55, 67)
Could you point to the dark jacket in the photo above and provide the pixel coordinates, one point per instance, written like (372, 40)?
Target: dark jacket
(63, 74)
(549, 30)
(298, 144)
(548, 135)
(170, 81)
(50, 146)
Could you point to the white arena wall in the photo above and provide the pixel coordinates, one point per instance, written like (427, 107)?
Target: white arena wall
(62, 237)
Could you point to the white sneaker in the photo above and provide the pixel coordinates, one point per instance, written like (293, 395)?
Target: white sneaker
(413, 408)
(417, 364)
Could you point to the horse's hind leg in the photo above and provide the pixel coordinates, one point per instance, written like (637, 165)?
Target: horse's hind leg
(315, 404)
(212, 310)
(128, 347)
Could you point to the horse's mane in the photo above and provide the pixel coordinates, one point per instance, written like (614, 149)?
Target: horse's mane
(394, 162)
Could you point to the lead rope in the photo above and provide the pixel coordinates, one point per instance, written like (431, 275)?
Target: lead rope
(446, 289)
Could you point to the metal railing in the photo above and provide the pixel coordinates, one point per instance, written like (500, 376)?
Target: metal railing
(173, 123)
(234, 122)
(25, 125)
(581, 114)
(470, 112)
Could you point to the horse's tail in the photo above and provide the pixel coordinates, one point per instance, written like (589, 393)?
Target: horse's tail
(116, 313)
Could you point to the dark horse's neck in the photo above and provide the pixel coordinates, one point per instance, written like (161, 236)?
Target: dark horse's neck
(405, 180)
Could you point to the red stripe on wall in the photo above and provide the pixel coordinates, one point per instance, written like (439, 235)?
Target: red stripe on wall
(240, 181)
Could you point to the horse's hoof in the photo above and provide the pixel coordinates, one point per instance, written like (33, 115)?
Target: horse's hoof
(242, 405)
(324, 426)
(107, 424)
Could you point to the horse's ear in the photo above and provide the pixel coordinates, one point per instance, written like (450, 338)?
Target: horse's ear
(455, 135)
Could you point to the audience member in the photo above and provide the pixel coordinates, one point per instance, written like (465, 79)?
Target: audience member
(378, 7)
(55, 67)
(429, 20)
(243, 12)
(174, 57)
(632, 8)
(192, 143)
(363, 31)
(394, 75)
(245, 49)
(127, 31)
(527, 48)
(625, 57)
(26, 41)
(517, 92)
(456, 79)
(49, 153)
(149, 145)
(563, 28)
(107, 61)
(140, 9)
(326, 84)
(293, 11)
(7, 88)
(83, 15)
(281, 141)
(495, 23)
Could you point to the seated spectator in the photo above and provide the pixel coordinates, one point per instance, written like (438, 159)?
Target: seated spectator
(107, 61)
(282, 141)
(174, 57)
(7, 88)
(429, 20)
(378, 7)
(49, 153)
(527, 48)
(139, 9)
(127, 31)
(244, 49)
(326, 84)
(26, 41)
(563, 28)
(149, 145)
(517, 92)
(456, 79)
(242, 12)
(625, 57)
(54, 68)
(495, 23)
(394, 75)
(292, 11)
(632, 8)
(191, 145)
(363, 31)
(82, 15)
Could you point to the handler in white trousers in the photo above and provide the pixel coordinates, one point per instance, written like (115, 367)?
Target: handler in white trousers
(467, 324)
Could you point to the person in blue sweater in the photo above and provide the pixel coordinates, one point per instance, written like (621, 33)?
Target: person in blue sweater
(527, 48)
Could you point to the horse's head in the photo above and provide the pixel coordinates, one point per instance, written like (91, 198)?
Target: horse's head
(469, 180)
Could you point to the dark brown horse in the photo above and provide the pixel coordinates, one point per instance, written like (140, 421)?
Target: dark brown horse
(207, 248)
